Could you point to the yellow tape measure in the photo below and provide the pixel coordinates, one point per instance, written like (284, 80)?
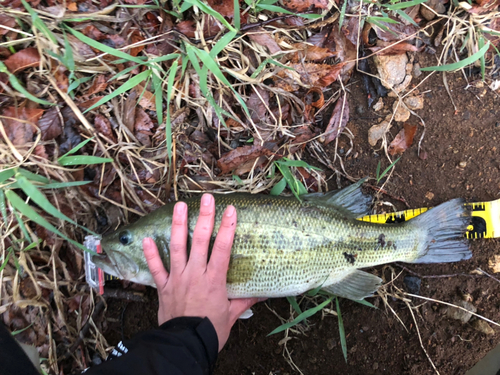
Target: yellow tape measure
(485, 219)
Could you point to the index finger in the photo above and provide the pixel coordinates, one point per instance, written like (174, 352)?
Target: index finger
(221, 252)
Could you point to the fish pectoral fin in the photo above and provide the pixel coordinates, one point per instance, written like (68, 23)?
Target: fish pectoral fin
(355, 286)
(350, 201)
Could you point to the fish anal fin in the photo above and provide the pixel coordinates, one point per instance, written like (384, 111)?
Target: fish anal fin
(355, 286)
(350, 201)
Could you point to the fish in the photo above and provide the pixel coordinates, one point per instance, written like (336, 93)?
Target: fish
(284, 246)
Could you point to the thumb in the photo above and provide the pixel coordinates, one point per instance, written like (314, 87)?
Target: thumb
(160, 274)
(239, 306)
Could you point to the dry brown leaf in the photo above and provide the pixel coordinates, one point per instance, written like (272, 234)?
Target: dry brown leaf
(99, 84)
(6, 21)
(41, 152)
(256, 105)
(391, 48)
(265, 39)
(23, 59)
(50, 124)
(81, 50)
(61, 78)
(188, 27)
(484, 6)
(72, 7)
(128, 118)
(103, 126)
(310, 53)
(243, 155)
(304, 5)
(20, 123)
(347, 51)
(495, 263)
(403, 140)
(338, 121)
(307, 75)
(136, 37)
(147, 100)
(302, 134)
(142, 120)
(351, 30)
(224, 7)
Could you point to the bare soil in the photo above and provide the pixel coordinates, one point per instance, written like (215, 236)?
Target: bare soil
(377, 342)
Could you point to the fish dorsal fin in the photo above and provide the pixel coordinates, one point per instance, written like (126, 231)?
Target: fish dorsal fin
(350, 201)
(247, 314)
(355, 286)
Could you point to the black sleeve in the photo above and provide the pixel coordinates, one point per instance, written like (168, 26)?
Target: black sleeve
(180, 346)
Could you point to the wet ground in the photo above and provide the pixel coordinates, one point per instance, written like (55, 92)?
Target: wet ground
(462, 161)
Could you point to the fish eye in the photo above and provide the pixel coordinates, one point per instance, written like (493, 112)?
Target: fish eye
(125, 237)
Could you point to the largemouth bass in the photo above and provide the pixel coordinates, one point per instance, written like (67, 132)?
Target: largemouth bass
(285, 247)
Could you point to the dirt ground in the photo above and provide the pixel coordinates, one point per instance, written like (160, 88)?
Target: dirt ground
(377, 342)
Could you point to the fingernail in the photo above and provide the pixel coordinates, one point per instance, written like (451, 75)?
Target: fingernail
(180, 208)
(206, 199)
(230, 211)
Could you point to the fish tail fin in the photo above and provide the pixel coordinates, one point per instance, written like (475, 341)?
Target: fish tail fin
(445, 225)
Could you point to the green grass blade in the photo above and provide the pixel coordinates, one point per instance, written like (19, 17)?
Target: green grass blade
(16, 85)
(342, 14)
(3, 207)
(130, 84)
(237, 179)
(102, 47)
(68, 54)
(459, 64)
(77, 82)
(279, 187)
(33, 176)
(294, 184)
(32, 245)
(77, 147)
(406, 17)
(306, 314)
(222, 43)
(39, 198)
(170, 86)
(387, 169)
(268, 61)
(237, 15)
(158, 90)
(59, 185)
(6, 259)
(343, 341)
(31, 214)
(295, 305)
(38, 23)
(21, 224)
(13, 333)
(482, 59)
(6, 174)
(366, 303)
(297, 163)
(82, 160)
(381, 19)
(404, 5)
(378, 170)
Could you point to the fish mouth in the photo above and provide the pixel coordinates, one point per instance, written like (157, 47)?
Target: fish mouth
(116, 264)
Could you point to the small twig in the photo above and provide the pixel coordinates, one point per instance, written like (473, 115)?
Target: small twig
(487, 274)
(452, 305)
(440, 276)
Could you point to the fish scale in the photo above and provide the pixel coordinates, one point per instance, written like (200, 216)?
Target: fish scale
(284, 247)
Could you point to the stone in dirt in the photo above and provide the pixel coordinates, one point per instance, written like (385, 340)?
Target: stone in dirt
(495, 264)
(401, 112)
(414, 102)
(483, 327)
(459, 314)
(412, 284)
(378, 105)
(376, 132)
(394, 71)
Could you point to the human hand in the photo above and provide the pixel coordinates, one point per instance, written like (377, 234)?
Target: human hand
(196, 286)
